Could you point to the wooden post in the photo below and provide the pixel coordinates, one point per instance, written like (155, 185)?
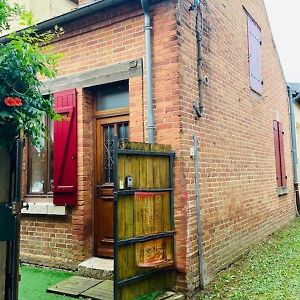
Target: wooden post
(4, 193)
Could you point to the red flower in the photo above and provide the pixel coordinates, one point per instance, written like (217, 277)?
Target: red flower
(13, 101)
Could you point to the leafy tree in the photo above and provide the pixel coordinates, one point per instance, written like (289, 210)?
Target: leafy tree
(24, 59)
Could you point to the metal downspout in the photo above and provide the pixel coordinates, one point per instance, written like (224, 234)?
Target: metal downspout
(199, 224)
(294, 147)
(199, 108)
(147, 29)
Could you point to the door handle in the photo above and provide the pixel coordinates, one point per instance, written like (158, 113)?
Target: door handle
(25, 205)
(98, 188)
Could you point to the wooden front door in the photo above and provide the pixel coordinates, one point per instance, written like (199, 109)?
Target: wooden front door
(106, 129)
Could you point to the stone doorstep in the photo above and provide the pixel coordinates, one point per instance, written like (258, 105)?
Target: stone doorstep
(98, 268)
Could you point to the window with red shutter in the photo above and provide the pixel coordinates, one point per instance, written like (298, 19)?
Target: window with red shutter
(279, 154)
(254, 54)
(65, 149)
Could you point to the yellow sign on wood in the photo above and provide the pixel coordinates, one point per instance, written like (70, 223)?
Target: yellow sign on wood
(156, 253)
(148, 213)
(150, 254)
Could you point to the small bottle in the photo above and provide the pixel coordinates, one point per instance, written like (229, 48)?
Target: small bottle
(121, 185)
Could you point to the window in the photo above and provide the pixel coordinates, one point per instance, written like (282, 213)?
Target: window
(55, 176)
(254, 55)
(279, 154)
(113, 96)
(40, 165)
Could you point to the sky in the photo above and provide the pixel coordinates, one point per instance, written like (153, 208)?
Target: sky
(284, 20)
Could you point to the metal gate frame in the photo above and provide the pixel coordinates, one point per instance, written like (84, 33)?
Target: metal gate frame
(10, 212)
(117, 192)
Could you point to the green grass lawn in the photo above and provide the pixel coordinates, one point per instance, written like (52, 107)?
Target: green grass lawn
(269, 271)
(35, 281)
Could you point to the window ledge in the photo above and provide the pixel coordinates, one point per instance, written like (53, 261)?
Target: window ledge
(44, 209)
(283, 190)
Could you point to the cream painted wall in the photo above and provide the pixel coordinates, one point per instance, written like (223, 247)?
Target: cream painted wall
(43, 9)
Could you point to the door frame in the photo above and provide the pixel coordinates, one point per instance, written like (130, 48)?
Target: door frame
(101, 118)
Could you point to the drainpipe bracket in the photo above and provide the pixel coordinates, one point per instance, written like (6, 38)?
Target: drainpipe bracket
(148, 27)
(198, 109)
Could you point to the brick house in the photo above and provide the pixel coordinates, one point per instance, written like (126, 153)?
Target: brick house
(218, 56)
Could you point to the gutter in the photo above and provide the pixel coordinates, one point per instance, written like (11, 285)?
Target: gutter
(199, 111)
(148, 54)
(73, 15)
(294, 146)
(198, 107)
(199, 221)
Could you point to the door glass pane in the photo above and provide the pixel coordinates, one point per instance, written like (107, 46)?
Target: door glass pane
(121, 129)
(123, 132)
(108, 153)
(113, 96)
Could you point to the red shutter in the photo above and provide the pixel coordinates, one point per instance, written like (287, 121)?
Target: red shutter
(279, 154)
(254, 48)
(65, 149)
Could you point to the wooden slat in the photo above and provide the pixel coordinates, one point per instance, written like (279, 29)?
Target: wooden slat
(166, 210)
(143, 174)
(157, 171)
(125, 217)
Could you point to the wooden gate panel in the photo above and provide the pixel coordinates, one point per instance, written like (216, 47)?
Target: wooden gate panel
(144, 220)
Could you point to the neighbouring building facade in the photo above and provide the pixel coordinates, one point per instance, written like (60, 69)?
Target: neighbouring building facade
(50, 9)
(218, 55)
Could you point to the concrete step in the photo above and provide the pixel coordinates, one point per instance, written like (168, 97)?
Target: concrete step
(98, 268)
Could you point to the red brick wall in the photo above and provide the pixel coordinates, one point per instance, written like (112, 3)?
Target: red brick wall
(91, 44)
(239, 203)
